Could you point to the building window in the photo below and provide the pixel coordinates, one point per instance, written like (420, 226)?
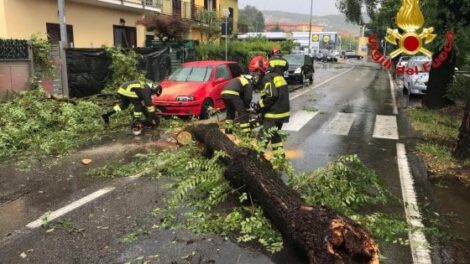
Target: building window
(210, 5)
(125, 37)
(176, 8)
(53, 33)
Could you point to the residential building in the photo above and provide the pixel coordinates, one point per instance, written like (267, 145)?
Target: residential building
(90, 23)
(293, 27)
(93, 23)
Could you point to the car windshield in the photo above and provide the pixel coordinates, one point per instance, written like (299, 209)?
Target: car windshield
(191, 74)
(294, 59)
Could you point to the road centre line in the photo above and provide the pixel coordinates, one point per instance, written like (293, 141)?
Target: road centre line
(418, 243)
(70, 207)
(392, 91)
(320, 84)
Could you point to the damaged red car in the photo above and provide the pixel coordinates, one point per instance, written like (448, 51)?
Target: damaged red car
(195, 88)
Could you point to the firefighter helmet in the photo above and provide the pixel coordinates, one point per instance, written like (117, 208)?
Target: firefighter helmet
(259, 63)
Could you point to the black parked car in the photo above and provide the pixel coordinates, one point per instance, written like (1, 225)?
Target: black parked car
(301, 68)
(353, 55)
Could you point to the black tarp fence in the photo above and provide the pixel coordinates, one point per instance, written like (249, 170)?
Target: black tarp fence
(90, 69)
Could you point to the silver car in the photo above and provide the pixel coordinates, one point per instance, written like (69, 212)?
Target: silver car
(416, 75)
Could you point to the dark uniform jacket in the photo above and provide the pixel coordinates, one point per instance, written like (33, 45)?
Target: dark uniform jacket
(137, 90)
(274, 102)
(240, 87)
(278, 65)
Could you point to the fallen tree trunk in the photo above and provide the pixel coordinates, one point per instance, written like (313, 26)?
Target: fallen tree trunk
(323, 234)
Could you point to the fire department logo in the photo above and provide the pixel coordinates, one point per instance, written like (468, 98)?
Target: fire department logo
(410, 19)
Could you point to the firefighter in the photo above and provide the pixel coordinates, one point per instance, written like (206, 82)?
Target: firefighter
(277, 64)
(274, 106)
(139, 94)
(237, 96)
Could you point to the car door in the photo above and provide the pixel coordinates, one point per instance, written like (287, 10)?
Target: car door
(222, 77)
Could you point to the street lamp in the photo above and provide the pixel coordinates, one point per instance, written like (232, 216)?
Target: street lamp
(227, 14)
(310, 29)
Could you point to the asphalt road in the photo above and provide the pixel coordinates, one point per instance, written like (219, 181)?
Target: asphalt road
(350, 109)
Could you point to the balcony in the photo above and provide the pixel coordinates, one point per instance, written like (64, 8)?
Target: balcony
(136, 5)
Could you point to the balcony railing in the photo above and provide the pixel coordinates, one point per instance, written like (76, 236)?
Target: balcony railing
(153, 3)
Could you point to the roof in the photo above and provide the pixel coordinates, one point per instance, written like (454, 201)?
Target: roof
(207, 63)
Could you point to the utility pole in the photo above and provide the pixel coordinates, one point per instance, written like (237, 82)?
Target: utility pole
(310, 29)
(63, 44)
(63, 26)
(227, 14)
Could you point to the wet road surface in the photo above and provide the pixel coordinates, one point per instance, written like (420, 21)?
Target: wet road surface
(348, 110)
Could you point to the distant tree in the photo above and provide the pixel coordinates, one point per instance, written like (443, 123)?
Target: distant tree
(166, 28)
(252, 17)
(277, 28)
(209, 23)
(349, 43)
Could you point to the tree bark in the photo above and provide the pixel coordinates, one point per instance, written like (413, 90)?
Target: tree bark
(324, 235)
(438, 84)
(462, 146)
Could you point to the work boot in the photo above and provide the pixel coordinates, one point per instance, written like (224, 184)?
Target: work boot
(106, 116)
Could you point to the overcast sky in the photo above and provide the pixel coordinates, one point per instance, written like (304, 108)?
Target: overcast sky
(320, 7)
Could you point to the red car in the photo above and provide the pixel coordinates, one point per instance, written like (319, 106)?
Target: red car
(195, 87)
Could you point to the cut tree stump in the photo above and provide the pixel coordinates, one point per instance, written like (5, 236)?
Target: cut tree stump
(323, 234)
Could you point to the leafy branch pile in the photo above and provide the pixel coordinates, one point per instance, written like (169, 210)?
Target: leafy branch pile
(32, 123)
(346, 185)
(124, 68)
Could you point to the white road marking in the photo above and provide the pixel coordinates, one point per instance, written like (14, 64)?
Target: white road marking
(392, 90)
(66, 209)
(320, 84)
(298, 120)
(418, 243)
(341, 124)
(386, 127)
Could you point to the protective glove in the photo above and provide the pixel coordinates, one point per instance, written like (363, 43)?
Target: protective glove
(256, 108)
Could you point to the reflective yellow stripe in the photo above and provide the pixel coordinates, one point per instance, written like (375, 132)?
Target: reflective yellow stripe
(137, 114)
(261, 103)
(243, 81)
(151, 109)
(245, 125)
(229, 121)
(230, 92)
(246, 130)
(276, 116)
(277, 62)
(279, 81)
(277, 145)
(117, 108)
(127, 90)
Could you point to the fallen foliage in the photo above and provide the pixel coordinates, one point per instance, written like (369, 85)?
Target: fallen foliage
(35, 124)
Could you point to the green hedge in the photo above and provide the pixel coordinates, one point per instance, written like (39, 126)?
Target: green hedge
(241, 51)
(13, 49)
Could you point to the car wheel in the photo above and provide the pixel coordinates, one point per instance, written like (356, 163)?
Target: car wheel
(405, 89)
(206, 105)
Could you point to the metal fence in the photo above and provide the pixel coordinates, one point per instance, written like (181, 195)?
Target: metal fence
(16, 66)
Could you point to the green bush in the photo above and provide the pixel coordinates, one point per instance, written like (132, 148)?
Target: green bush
(241, 51)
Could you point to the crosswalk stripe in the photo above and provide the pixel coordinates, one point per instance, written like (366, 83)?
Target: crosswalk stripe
(386, 127)
(341, 124)
(298, 120)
